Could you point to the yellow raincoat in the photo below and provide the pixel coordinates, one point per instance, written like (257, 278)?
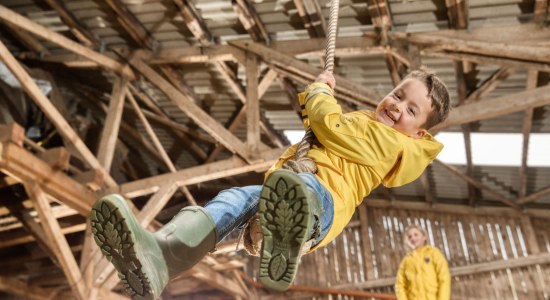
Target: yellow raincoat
(423, 275)
(356, 153)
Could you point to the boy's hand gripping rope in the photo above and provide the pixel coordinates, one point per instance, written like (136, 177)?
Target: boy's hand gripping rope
(301, 163)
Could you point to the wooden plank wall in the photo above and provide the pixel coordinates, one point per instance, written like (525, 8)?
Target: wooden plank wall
(463, 239)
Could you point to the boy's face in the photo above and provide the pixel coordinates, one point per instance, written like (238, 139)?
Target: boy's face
(406, 108)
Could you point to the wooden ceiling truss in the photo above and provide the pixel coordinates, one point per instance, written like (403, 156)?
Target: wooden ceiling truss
(48, 179)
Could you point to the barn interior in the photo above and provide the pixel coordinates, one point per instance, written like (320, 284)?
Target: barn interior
(168, 102)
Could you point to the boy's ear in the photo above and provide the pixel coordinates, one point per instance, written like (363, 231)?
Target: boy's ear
(420, 133)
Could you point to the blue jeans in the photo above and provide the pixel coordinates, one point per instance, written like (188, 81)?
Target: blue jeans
(233, 207)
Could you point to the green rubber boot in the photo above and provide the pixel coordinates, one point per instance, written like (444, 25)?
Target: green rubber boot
(145, 261)
(289, 216)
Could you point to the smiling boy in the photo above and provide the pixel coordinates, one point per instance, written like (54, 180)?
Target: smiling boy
(301, 212)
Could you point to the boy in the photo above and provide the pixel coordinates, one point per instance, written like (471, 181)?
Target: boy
(356, 152)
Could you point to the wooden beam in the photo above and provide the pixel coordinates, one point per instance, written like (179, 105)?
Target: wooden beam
(132, 25)
(482, 59)
(19, 239)
(532, 80)
(459, 209)
(534, 197)
(461, 89)
(12, 133)
(494, 107)
(27, 39)
(15, 19)
(426, 185)
(250, 20)
(362, 95)
(20, 288)
(541, 11)
(192, 110)
(216, 280)
(457, 11)
(252, 103)
(163, 154)
(57, 239)
(489, 84)
(462, 271)
(478, 184)
(50, 111)
(25, 166)
(206, 172)
(345, 46)
(312, 17)
(11, 222)
(194, 22)
(111, 126)
(470, 42)
(29, 223)
(77, 28)
(365, 242)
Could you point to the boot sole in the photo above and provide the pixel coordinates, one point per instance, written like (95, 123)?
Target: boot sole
(284, 217)
(111, 233)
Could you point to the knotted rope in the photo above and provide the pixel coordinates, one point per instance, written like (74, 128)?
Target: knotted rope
(301, 163)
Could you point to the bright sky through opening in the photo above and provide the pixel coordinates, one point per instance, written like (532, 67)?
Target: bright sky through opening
(488, 149)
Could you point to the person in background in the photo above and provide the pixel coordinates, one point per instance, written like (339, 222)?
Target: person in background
(423, 273)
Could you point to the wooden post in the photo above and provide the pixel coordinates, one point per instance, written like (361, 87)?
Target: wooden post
(57, 239)
(253, 103)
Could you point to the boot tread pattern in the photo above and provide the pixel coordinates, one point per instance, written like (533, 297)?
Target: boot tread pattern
(284, 212)
(111, 234)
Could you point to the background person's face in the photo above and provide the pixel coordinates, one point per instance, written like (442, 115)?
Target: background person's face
(416, 238)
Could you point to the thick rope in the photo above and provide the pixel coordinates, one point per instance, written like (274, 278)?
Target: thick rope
(301, 163)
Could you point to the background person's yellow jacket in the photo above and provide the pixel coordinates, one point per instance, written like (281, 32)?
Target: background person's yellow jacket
(357, 153)
(423, 275)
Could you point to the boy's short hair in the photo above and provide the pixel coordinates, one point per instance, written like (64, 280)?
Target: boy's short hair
(438, 92)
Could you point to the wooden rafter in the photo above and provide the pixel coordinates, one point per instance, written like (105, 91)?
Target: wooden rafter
(183, 133)
(193, 21)
(231, 79)
(461, 87)
(426, 183)
(51, 112)
(494, 107)
(194, 112)
(51, 36)
(132, 25)
(480, 42)
(478, 184)
(312, 17)
(57, 241)
(250, 20)
(27, 39)
(77, 28)
(363, 96)
(252, 102)
(111, 126)
(531, 83)
(160, 149)
(489, 84)
(21, 288)
(541, 11)
(206, 172)
(22, 164)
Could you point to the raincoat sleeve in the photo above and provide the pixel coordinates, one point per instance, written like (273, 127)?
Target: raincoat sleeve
(401, 281)
(354, 136)
(443, 276)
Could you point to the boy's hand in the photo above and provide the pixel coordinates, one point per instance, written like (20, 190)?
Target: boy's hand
(328, 78)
